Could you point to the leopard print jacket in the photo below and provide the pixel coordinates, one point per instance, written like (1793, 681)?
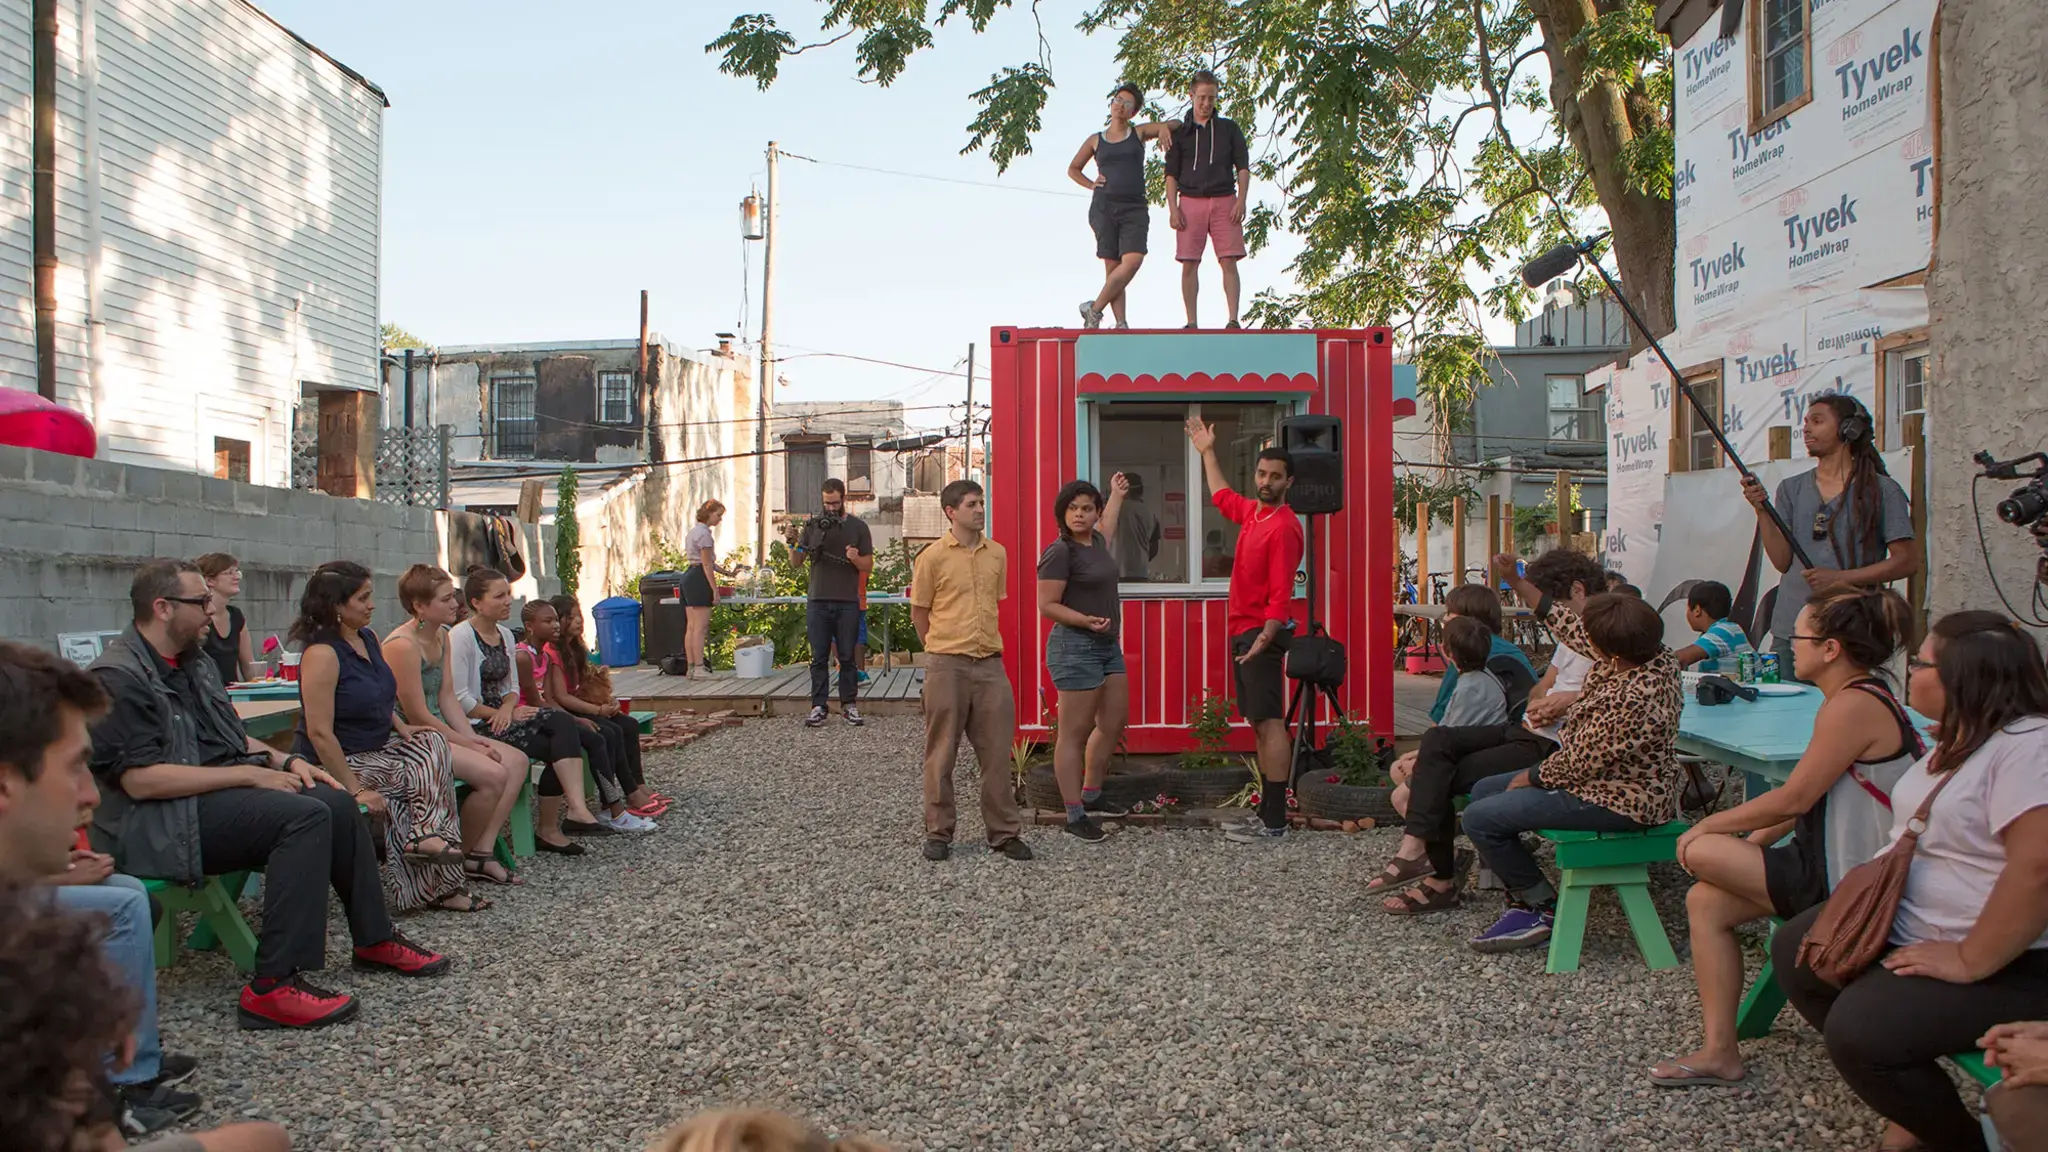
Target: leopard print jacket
(1619, 739)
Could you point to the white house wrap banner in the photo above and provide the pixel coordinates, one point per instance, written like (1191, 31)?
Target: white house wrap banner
(1638, 451)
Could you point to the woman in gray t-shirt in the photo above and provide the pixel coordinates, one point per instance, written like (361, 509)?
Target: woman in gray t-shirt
(1851, 517)
(1077, 591)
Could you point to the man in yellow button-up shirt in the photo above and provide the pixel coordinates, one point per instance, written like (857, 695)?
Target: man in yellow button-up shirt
(956, 585)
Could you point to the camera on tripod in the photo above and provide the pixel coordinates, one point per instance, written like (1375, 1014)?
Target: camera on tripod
(2028, 503)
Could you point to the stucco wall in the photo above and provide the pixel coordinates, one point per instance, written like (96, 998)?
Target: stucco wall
(1988, 291)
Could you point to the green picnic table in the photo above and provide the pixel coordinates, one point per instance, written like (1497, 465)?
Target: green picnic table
(1764, 739)
(264, 690)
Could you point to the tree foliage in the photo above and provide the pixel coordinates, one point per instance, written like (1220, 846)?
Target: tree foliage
(394, 336)
(568, 537)
(1412, 146)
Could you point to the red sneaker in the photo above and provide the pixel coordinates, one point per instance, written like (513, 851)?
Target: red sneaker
(294, 1003)
(401, 956)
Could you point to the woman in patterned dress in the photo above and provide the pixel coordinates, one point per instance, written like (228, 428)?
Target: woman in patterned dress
(401, 772)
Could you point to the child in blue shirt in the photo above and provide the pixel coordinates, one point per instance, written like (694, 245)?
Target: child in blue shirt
(1722, 641)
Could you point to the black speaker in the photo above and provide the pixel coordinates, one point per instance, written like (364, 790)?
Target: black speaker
(1317, 445)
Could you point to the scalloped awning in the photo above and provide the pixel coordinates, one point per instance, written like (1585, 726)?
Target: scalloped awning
(1197, 382)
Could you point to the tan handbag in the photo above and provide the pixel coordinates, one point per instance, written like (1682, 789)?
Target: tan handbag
(1855, 926)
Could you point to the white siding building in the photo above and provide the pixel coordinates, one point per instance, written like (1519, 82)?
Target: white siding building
(218, 222)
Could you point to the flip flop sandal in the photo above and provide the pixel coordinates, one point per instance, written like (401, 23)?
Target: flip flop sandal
(476, 866)
(1694, 1078)
(1422, 900)
(476, 903)
(653, 807)
(1399, 874)
(449, 854)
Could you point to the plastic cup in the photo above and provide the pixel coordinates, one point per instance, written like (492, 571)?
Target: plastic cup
(625, 705)
(290, 666)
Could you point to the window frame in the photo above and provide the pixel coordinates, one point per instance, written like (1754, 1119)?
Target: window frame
(1683, 431)
(498, 419)
(865, 445)
(1912, 342)
(1594, 429)
(804, 444)
(1198, 510)
(603, 416)
(1761, 117)
(229, 452)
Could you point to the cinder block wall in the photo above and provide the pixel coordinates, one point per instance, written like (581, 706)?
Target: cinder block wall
(72, 532)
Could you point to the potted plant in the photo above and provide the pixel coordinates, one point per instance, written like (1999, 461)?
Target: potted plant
(1206, 775)
(1354, 784)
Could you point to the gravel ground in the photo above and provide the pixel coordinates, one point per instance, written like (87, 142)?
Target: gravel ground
(781, 943)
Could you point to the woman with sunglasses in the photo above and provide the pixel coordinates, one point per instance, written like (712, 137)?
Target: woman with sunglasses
(1851, 518)
(1836, 804)
(1969, 941)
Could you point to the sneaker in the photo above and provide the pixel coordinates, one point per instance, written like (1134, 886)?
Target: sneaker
(852, 715)
(172, 1069)
(1254, 832)
(1090, 318)
(816, 719)
(1086, 831)
(628, 822)
(1233, 325)
(401, 956)
(1015, 848)
(293, 1003)
(1103, 808)
(1516, 929)
(936, 850)
(143, 1109)
(861, 676)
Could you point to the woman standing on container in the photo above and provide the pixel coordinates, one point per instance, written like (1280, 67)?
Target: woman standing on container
(1117, 214)
(1077, 591)
(700, 584)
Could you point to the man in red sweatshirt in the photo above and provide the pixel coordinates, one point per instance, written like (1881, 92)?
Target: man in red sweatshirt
(1260, 615)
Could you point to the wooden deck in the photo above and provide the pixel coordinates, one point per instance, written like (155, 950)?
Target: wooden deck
(895, 692)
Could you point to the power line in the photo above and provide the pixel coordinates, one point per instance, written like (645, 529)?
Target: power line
(870, 360)
(791, 417)
(938, 179)
(517, 472)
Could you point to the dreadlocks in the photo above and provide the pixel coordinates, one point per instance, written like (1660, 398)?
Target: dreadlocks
(1861, 497)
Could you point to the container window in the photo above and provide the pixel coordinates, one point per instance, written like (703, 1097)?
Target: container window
(1171, 533)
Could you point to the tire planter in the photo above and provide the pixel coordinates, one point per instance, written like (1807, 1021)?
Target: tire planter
(1319, 797)
(1125, 784)
(1204, 787)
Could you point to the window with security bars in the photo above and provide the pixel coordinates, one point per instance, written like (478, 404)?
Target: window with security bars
(1780, 59)
(512, 417)
(615, 397)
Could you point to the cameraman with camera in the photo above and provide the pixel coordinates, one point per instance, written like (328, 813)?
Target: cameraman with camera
(840, 551)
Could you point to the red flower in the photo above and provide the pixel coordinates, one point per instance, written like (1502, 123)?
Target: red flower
(1332, 779)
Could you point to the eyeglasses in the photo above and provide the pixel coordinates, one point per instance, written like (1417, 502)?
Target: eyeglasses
(1810, 639)
(195, 601)
(1916, 664)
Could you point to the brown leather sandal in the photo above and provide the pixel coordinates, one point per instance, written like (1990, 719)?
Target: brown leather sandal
(1422, 900)
(1399, 873)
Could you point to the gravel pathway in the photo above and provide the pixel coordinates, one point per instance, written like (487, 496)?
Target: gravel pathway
(781, 943)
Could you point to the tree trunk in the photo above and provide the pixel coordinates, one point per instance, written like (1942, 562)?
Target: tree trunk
(1599, 127)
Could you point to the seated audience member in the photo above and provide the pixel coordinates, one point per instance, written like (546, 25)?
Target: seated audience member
(1509, 664)
(1614, 581)
(1722, 642)
(46, 797)
(574, 686)
(350, 725)
(1626, 589)
(1452, 760)
(417, 651)
(484, 667)
(1836, 804)
(2018, 1104)
(187, 794)
(1970, 938)
(537, 657)
(226, 638)
(1614, 769)
(62, 1009)
(753, 1132)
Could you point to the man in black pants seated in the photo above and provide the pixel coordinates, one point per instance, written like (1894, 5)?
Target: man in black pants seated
(1452, 760)
(186, 794)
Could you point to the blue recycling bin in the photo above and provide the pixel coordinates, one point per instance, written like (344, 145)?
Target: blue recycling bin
(618, 631)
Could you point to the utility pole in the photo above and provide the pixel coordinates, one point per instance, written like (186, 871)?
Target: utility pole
(767, 379)
(967, 429)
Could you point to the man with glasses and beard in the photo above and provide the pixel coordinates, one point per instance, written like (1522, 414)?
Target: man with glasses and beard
(841, 552)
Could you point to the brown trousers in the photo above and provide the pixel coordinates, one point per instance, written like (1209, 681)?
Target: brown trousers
(2021, 1116)
(965, 695)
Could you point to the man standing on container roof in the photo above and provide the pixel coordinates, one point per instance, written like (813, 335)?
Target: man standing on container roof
(1260, 616)
(1208, 183)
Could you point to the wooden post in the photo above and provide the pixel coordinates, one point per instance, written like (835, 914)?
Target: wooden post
(1508, 543)
(1421, 552)
(1493, 547)
(1457, 543)
(1781, 442)
(1562, 501)
(348, 444)
(530, 499)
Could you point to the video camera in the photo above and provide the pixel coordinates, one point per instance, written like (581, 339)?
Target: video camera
(2028, 503)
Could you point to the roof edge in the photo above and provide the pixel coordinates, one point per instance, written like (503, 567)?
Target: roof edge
(316, 50)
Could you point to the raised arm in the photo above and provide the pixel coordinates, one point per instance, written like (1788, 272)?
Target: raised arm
(1113, 513)
(1203, 437)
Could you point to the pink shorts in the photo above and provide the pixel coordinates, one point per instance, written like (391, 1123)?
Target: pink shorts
(1208, 218)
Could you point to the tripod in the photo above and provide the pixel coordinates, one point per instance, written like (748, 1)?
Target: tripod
(1301, 708)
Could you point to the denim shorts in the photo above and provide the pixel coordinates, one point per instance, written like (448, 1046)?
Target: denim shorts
(1080, 661)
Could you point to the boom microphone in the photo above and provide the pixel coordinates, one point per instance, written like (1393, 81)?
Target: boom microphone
(1549, 266)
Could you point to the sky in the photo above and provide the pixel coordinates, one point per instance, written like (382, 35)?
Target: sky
(543, 164)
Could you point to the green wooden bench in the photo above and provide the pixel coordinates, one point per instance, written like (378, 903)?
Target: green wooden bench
(215, 902)
(1617, 860)
(522, 810)
(1973, 1066)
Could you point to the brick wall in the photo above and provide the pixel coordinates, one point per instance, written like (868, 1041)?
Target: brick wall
(73, 531)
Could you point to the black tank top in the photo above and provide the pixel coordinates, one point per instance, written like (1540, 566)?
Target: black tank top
(1122, 164)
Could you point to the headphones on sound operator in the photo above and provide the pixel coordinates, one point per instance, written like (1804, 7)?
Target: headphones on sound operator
(1855, 427)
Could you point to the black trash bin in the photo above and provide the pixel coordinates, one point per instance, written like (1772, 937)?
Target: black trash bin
(661, 614)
